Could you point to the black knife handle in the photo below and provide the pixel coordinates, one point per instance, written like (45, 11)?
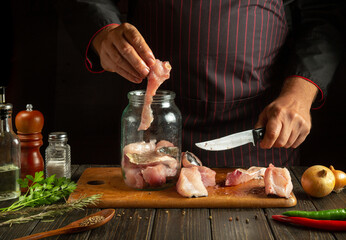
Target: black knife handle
(258, 134)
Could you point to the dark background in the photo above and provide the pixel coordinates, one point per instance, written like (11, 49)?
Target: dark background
(44, 68)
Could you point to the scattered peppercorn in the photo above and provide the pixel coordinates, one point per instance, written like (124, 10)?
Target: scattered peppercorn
(237, 218)
(230, 219)
(183, 213)
(247, 221)
(210, 217)
(256, 217)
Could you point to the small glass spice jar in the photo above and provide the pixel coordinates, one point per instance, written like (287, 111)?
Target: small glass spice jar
(58, 155)
(9, 155)
(151, 158)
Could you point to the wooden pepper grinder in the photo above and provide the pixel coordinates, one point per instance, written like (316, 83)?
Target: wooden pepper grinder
(29, 124)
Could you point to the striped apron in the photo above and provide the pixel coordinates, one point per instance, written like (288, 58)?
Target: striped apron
(221, 52)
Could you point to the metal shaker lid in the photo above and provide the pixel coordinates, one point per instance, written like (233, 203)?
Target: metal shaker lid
(57, 136)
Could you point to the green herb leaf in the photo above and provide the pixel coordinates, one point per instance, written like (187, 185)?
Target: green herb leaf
(30, 177)
(42, 191)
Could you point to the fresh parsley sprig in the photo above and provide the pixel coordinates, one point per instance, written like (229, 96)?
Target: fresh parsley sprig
(42, 191)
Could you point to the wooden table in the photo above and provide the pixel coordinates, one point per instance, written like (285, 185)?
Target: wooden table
(252, 223)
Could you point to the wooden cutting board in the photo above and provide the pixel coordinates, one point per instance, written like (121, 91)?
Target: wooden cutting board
(116, 194)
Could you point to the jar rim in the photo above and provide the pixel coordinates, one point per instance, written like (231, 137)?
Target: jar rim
(161, 95)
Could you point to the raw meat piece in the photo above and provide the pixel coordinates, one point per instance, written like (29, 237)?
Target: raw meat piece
(159, 72)
(155, 176)
(190, 183)
(189, 159)
(278, 181)
(164, 147)
(150, 159)
(240, 175)
(208, 176)
(134, 178)
(164, 143)
(140, 147)
(149, 164)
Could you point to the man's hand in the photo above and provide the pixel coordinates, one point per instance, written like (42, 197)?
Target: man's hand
(287, 119)
(123, 50)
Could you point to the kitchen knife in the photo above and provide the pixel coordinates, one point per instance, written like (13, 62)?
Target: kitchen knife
(233, 140)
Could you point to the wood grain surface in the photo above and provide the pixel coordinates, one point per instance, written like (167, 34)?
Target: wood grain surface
(109, 182)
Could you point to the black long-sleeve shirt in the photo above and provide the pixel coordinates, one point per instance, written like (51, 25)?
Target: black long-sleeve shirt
(229, 59)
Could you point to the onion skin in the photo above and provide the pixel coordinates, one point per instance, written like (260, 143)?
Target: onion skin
(340, 179)
(318, 181)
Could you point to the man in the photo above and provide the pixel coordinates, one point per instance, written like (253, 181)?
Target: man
(236, 64)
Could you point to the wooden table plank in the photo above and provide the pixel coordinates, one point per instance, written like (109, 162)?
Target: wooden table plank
(244, 224)
(62, 221)
(182, 224)
(288, 231)
(127, 224)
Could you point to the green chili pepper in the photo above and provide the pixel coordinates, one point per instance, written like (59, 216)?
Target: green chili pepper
(332, 214)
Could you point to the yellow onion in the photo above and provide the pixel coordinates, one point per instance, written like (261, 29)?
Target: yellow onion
(318, 181)
(340, 179)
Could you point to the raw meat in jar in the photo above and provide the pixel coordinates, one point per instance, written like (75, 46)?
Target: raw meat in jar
(150, 165)
(159, 72)
(134, 178)
(140, 147)
(155, 175)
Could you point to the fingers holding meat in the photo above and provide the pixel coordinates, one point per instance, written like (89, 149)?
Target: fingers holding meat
(122, 49)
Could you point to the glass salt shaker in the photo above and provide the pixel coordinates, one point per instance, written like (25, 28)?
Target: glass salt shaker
(58, 155)
(9, 155)
(151, 158)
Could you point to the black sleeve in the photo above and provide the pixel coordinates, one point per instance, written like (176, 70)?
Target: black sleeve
(83, 19)
(316, 41)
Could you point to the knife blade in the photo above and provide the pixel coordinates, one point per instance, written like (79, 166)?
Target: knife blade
(233, 140)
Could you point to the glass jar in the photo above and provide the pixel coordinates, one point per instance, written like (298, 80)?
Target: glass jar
(58, 155)
(151, 158)
(9, 155)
